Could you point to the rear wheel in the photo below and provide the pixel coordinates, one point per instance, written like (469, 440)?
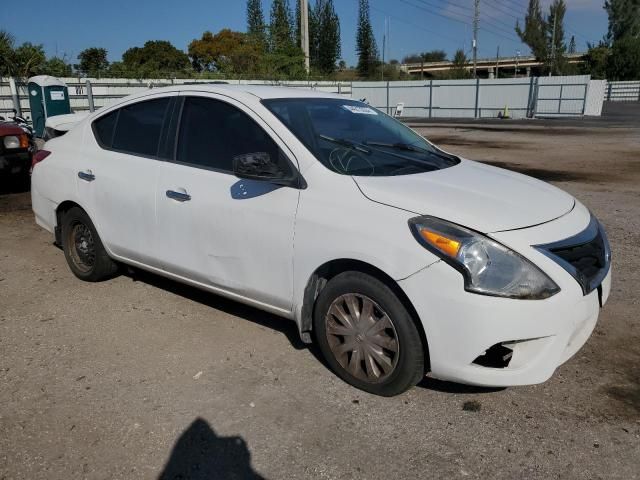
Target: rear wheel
(367, 335)
(83, 249)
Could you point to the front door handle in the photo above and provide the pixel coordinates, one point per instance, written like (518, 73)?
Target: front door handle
(87, 175)
(179, 196)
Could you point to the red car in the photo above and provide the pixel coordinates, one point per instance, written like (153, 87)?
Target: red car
(15, 151)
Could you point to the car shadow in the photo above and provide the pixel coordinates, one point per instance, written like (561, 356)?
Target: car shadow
(265, 319)
(200, 454)
(14, 184)
(430, 383)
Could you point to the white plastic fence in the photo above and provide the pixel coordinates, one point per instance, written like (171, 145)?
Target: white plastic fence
(482, 98)
(623, 91)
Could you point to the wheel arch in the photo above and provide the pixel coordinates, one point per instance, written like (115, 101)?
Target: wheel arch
(330, 269)
(61, 209)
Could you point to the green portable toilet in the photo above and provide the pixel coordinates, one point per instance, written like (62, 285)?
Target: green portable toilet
(48, 97)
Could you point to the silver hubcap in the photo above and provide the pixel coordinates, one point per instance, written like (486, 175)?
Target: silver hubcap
(362, 337)
(82, 247)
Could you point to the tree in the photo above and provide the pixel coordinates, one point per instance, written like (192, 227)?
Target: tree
(285, 59)
(297, 22)
(460, 61)
(24, 61)
(28, 60)
(534, 32)
(324, 37)
(93, 61)
(155, 58)
(596, 61)
(624, 62)
(314, 35)
(624, 19)
(57, 67)
(434, 56)
(413, 58)
(425, 57)
(255, 22)
(554, 32)
(624, 39)
(366, 43)
(280, 30)
(572, 45)
(120, 70)
(7, 45)
(229, 52)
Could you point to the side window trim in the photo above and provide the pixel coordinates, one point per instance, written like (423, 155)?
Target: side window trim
(166, 147)
(178, 121)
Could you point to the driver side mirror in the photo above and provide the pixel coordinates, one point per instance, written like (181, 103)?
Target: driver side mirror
(260, 166)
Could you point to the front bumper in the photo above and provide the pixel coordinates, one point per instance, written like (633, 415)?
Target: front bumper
(461, 326)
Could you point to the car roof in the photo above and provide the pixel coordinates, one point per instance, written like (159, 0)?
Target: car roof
(261, 91)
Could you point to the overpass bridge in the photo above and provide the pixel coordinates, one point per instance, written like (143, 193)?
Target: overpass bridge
(486, 67)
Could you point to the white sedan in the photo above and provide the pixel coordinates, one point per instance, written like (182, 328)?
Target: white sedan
(396, 257)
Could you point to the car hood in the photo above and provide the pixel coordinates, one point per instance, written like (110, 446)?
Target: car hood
(477, 196)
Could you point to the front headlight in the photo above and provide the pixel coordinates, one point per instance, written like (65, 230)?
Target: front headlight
(488, 267)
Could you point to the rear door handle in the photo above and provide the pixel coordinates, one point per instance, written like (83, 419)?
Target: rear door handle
(87, 175)
(179, 196)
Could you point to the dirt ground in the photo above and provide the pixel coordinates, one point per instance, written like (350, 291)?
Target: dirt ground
(140, 377)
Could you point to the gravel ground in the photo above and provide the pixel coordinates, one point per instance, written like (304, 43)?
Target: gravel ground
(140, 377)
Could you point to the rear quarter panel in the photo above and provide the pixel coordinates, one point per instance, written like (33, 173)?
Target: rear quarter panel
(54, 179)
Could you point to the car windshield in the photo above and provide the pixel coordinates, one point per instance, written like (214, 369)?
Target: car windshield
(352, 138)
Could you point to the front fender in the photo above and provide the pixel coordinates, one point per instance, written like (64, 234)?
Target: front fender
(346, 225)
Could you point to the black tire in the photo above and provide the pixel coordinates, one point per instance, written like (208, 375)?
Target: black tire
(83, 249)
(407, 361)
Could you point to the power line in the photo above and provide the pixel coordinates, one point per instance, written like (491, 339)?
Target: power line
(508, 8)
(505, 10)
(424, 6)
(496, 29)
(511, 4)
(414, 25)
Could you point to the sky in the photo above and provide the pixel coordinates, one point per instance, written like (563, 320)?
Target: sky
(65, 27)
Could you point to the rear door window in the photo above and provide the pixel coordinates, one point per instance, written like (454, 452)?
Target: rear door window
(139, 127)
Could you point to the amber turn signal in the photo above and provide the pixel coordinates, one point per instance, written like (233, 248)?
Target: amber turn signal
(446, 245)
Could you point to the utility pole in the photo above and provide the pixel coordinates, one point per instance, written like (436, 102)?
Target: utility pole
(476, 21)
(497, 61)
(304, 32)
(384, 46)
(553, 42)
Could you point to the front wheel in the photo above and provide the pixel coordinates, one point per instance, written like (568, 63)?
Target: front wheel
(83, 249)
(367, 335)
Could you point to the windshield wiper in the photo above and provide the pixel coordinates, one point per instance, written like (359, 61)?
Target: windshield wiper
(346, 143)
(398, 146)
(412, 148)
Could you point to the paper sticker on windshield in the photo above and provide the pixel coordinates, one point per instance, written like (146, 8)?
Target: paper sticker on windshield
(360, 110)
